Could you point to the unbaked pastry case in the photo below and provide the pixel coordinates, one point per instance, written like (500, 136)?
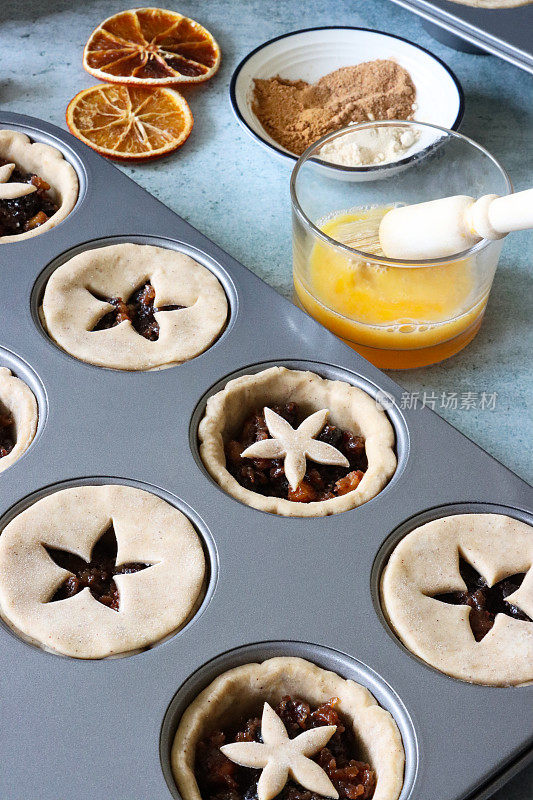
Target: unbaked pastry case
(80, 729)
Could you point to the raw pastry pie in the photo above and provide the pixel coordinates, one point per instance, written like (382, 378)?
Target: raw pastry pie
(38, 188)
(133, 307)
(458, 591)
(293, 443)
(311, 733)
(18, 418)
(92, 571)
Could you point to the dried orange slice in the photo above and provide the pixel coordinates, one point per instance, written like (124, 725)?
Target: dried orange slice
(130, 123)
(152, 47)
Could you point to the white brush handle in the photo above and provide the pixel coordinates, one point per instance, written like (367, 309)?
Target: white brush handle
(444, 227)
(514, 212)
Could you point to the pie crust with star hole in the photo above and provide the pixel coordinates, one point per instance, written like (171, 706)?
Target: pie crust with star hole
(96, 571)
(166, 307)
(244, 690)
(348, 407)
(19, 411)
(49, 164)
(483, 635)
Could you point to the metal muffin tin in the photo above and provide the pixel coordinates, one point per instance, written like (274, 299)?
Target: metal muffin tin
(79, 730)
(504, 32)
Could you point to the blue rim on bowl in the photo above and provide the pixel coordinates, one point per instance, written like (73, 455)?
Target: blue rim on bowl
(284, 153)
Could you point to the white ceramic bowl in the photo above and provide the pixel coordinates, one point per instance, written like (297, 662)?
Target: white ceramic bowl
(310, 54)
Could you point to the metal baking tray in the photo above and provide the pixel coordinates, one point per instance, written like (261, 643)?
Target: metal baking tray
(504, 32)
(79, 730)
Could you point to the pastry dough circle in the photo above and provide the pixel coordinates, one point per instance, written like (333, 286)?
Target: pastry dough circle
(243, 690)
(70, 311)
(154, 602)
(20, 401)
(48, 163)
(349, 408)
(425, 563)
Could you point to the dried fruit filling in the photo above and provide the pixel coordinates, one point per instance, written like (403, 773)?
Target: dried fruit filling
(139, 309)
(267, 476)
(7, 433)
(221, 779)
(22, 214)
(97, 575)
(484, 601)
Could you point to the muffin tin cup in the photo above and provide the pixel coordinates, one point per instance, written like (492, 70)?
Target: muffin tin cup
(154, 241)
(344, 665)
(333, 373)
(37, 134)
(205, 536)
(24, 372)
(429, 515)
(277, 581)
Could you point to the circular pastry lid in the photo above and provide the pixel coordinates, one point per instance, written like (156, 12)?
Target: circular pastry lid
(78, 295)
(425, 565)
(159, 570)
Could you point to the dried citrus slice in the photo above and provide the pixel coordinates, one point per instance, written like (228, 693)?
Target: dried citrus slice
(152, 47)
(130, 123)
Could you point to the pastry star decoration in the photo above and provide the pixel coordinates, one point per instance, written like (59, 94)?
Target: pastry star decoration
(10, 191)
(280, 757)
(295, 445)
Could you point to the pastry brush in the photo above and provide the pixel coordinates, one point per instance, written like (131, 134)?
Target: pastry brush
(438, 228)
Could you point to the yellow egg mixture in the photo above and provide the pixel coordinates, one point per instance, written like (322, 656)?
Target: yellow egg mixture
(395, 309)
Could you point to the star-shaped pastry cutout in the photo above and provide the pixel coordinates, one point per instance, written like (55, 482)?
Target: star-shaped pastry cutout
(98, 574)
(281, 758)
(485, 601)
(10, 191)
(295, 446)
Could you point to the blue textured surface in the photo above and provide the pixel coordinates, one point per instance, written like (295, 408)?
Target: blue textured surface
(223, 183)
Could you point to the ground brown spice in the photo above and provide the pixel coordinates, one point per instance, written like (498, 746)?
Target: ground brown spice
(296, 113)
